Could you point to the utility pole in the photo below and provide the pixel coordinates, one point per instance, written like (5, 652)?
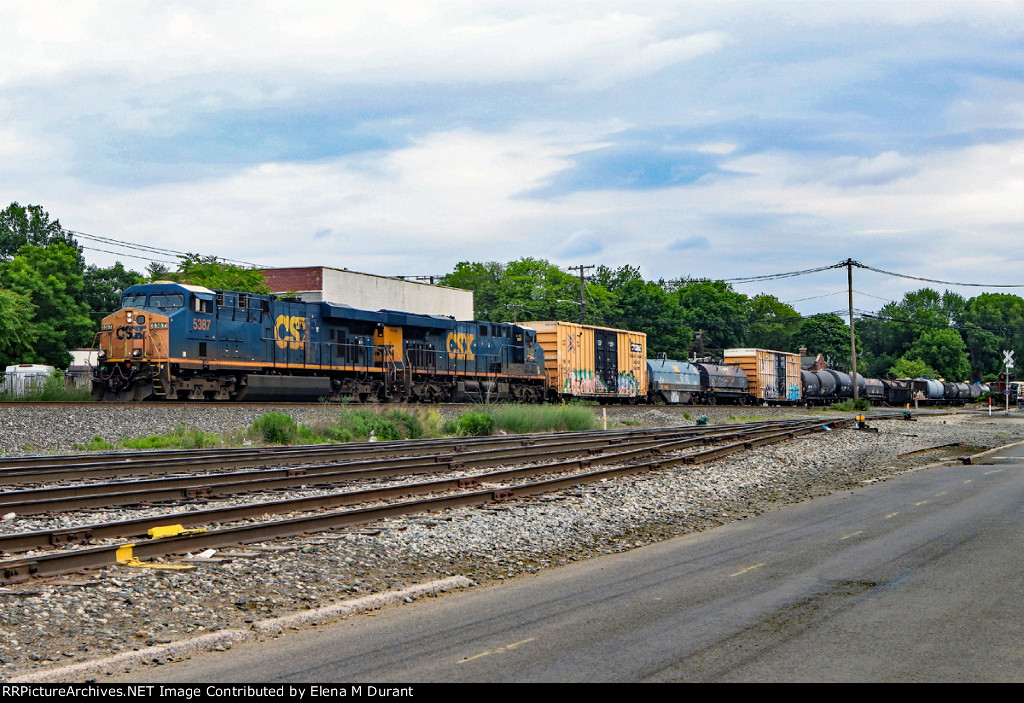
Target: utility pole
(853, 338)
(516, 307)
(583, 293)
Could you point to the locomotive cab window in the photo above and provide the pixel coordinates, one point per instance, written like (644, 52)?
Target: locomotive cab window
(201, 305)
(483, 330)
(167, 300)
(133, 301)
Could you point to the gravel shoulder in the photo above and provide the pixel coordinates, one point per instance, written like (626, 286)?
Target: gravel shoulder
(90, 616)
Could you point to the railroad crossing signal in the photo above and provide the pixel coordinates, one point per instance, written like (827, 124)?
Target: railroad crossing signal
(1008, 358)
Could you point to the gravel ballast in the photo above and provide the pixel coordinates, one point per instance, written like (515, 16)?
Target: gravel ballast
(90, 616)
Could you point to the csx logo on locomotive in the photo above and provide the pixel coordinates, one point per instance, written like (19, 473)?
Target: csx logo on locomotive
(460, 345)
(130, 332)
(290, 331)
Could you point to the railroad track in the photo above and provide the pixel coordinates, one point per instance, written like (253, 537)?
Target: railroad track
(629, 452)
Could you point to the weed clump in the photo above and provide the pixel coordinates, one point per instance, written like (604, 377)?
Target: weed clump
(851, 405)
(471, 424)
(275, 428)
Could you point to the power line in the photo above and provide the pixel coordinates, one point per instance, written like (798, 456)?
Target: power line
(146, 248)
(934, 280)
(131, 256)
(814, 297)
(788, 274)
(878, 297)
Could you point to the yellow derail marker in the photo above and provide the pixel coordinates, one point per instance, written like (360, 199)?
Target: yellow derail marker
(124, 555)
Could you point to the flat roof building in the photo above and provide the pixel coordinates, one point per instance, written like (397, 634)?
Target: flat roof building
(367, 291)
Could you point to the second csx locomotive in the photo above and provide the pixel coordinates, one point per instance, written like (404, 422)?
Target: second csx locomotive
(176, 341)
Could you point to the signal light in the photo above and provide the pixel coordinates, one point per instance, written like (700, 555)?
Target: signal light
(1002, 378)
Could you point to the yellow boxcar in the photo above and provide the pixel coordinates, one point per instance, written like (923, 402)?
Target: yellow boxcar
(774, 376)
(582, 361)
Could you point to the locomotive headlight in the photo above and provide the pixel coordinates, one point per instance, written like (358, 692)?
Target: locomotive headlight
(129, 317)
(136, 353)
(101, 354)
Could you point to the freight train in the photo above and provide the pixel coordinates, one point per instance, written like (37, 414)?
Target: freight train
(175, 341)
(708, 383)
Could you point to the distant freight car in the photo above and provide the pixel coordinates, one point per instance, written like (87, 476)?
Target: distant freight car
(774, 376)
(582, 361)
(673, 382)
(723, 383)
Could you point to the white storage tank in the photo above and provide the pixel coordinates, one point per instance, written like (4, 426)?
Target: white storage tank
(21, 379)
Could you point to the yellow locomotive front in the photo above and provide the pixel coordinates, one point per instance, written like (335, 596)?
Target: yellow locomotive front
(133, 351)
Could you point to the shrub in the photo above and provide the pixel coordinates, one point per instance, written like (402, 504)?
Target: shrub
(850, 405)
(275, 428)
(474, 425)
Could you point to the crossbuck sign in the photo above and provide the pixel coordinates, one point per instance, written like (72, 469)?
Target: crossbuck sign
(1008, 358)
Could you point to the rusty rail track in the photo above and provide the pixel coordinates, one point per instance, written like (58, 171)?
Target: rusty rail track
(98, 495)
(13, 571)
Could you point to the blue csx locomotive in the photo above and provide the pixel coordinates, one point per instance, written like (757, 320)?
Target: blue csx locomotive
(178, 341)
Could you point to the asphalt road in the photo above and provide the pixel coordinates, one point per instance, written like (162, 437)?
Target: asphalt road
(918, 578)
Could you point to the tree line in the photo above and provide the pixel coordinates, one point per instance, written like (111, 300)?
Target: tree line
(51, 302)
(925, 334)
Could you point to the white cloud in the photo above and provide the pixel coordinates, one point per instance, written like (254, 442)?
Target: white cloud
(351, 42)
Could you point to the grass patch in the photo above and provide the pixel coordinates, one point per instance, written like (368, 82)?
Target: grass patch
(96, 444)
(520, 419)
(181, 437)
(351, 426)
(851, 406)
(53, 389)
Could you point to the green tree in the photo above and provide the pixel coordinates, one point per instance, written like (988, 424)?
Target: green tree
(211, 272)
(771, 324)
(646, 307)
(828, 335)
(614, 279)
(944, 351)
(28, 225)
(911, 368)
(529, 289)
(712, 309)
(900, 324)
(18, 334)
(52, 277)
(156, 271)
(485, 282)
(992, 322)
(102, 287)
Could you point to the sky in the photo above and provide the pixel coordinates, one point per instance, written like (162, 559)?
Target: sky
(691, 139)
